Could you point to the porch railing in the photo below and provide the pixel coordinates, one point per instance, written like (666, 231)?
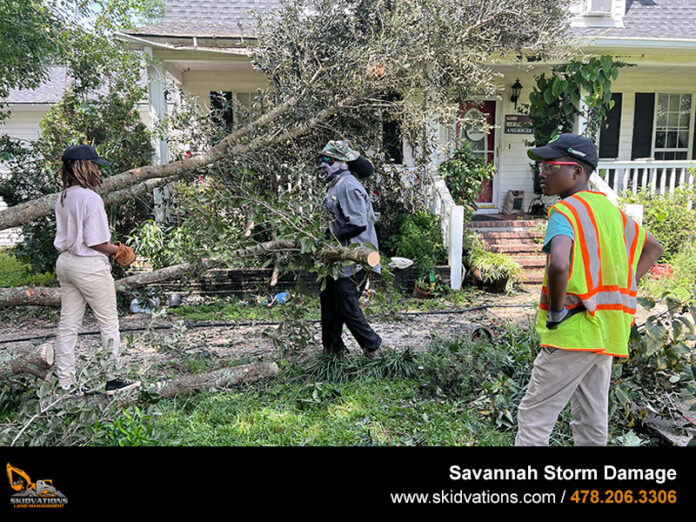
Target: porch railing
(439, 201)
(658, 177)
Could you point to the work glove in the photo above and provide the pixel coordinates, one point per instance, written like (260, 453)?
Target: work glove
(125, 255)
(556, 318)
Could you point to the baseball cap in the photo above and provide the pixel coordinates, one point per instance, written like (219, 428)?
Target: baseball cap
(83, 152)
(567, 144)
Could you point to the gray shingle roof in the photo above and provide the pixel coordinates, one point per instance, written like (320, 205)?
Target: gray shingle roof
(221, 18)
(49, 92)
(671, 19)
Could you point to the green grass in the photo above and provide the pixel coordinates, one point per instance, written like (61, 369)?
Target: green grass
(363, 412)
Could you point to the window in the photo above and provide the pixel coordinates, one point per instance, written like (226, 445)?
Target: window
(672, 126)
(391, 135)
(596, 7)
(226, 106)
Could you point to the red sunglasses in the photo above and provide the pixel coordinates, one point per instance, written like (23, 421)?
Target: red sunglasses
(549, 166)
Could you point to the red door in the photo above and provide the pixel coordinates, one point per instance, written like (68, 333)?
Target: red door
(481, 142)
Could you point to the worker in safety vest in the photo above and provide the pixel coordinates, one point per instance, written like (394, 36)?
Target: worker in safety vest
(596, 255)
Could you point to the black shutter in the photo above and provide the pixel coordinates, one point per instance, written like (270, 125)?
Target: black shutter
(643, 125)
(611, 130)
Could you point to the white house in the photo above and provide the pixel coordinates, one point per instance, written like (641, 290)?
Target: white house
(650, 140)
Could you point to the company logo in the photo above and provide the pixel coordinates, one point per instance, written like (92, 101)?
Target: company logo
(30, 495)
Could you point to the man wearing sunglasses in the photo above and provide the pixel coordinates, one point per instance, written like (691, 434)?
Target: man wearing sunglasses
(351, 220)
(596, 255)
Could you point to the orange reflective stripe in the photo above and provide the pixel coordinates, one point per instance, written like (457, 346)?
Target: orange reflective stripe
(596, 231)
(588, 240)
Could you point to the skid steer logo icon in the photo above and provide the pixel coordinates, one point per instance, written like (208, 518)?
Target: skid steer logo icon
(41, 493)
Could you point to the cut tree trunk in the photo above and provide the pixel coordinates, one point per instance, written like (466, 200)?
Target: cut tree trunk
(41, 296)
(37, 361)
(223, 377)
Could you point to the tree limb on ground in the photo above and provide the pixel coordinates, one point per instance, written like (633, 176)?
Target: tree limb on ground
(42, 296)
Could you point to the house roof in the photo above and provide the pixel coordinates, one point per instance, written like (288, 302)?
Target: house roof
(208, 18)
(49, 92)
(668, 19)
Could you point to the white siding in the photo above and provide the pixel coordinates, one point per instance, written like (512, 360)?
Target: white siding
(22, 124)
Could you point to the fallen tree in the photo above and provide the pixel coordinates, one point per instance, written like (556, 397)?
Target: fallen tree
(224, 377)
(22, 359)
(42, 296)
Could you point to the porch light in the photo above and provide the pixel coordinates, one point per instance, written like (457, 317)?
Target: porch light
(516, 89)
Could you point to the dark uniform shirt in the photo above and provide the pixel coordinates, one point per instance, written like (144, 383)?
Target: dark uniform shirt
(347, 202)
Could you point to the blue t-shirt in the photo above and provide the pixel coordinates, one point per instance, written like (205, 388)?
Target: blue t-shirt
(558, 226)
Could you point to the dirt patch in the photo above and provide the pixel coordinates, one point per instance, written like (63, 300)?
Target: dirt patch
(145, 340)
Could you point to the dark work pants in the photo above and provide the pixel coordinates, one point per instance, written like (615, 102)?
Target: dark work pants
(340, 304)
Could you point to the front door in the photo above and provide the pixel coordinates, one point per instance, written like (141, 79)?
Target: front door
(482, 143)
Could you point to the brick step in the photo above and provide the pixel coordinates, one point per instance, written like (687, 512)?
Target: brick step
(526, 234)
(514, 247)
(499, 223)
(537, 262)
(532, 277)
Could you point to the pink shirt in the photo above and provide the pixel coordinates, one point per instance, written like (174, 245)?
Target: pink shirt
(81, 222)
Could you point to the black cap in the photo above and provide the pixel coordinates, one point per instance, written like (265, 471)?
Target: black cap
(571, 145)
(83, 152)
(361, 167)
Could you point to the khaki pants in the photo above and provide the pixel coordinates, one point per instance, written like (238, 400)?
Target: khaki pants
(84, 280)
(557, 377)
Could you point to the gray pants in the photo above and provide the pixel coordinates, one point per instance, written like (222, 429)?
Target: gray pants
(560, 376)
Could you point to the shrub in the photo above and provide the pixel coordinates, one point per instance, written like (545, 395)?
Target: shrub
(667, 217)
(464, 173)
(681, 282)
(419, 238)
(14, 272)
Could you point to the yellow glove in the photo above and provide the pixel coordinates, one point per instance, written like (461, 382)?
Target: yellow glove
(125, 255)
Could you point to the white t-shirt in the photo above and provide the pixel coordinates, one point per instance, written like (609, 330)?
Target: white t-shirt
(81, 222)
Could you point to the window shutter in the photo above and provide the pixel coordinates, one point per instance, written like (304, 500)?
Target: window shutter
(643, 125)
(611, 130)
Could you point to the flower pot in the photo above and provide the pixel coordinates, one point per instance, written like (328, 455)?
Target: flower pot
(419, 292)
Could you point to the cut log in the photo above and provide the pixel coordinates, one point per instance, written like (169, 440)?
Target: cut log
(224, 377)
(41, 296)
(22, 359)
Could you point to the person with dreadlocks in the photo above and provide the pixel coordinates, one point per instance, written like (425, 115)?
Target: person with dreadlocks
(83, 269)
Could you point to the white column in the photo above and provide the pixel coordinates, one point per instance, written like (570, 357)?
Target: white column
(158, 110)
(456, 239)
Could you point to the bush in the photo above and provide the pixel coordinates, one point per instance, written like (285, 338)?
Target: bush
(464, 173)
(681, 282)
(667, 217)
(14, 272)
(419, 238)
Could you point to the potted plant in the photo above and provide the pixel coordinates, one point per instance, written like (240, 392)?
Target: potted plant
(493, 271)
(425, 283)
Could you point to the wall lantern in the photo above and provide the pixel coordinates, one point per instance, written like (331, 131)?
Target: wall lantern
(516, 89)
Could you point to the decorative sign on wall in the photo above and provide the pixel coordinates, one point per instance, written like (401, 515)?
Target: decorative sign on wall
(517, 124)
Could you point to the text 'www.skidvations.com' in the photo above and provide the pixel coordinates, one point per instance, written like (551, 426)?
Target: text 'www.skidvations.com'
(479, 497)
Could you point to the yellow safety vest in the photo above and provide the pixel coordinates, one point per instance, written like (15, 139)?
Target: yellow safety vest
(602, 278)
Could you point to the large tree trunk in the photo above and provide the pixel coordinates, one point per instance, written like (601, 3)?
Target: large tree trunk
(223, 377)
(40, 296)
(33, 360)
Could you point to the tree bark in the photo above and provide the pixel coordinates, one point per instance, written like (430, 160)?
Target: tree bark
(37, 361)
(223, 377)
(41, 296)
